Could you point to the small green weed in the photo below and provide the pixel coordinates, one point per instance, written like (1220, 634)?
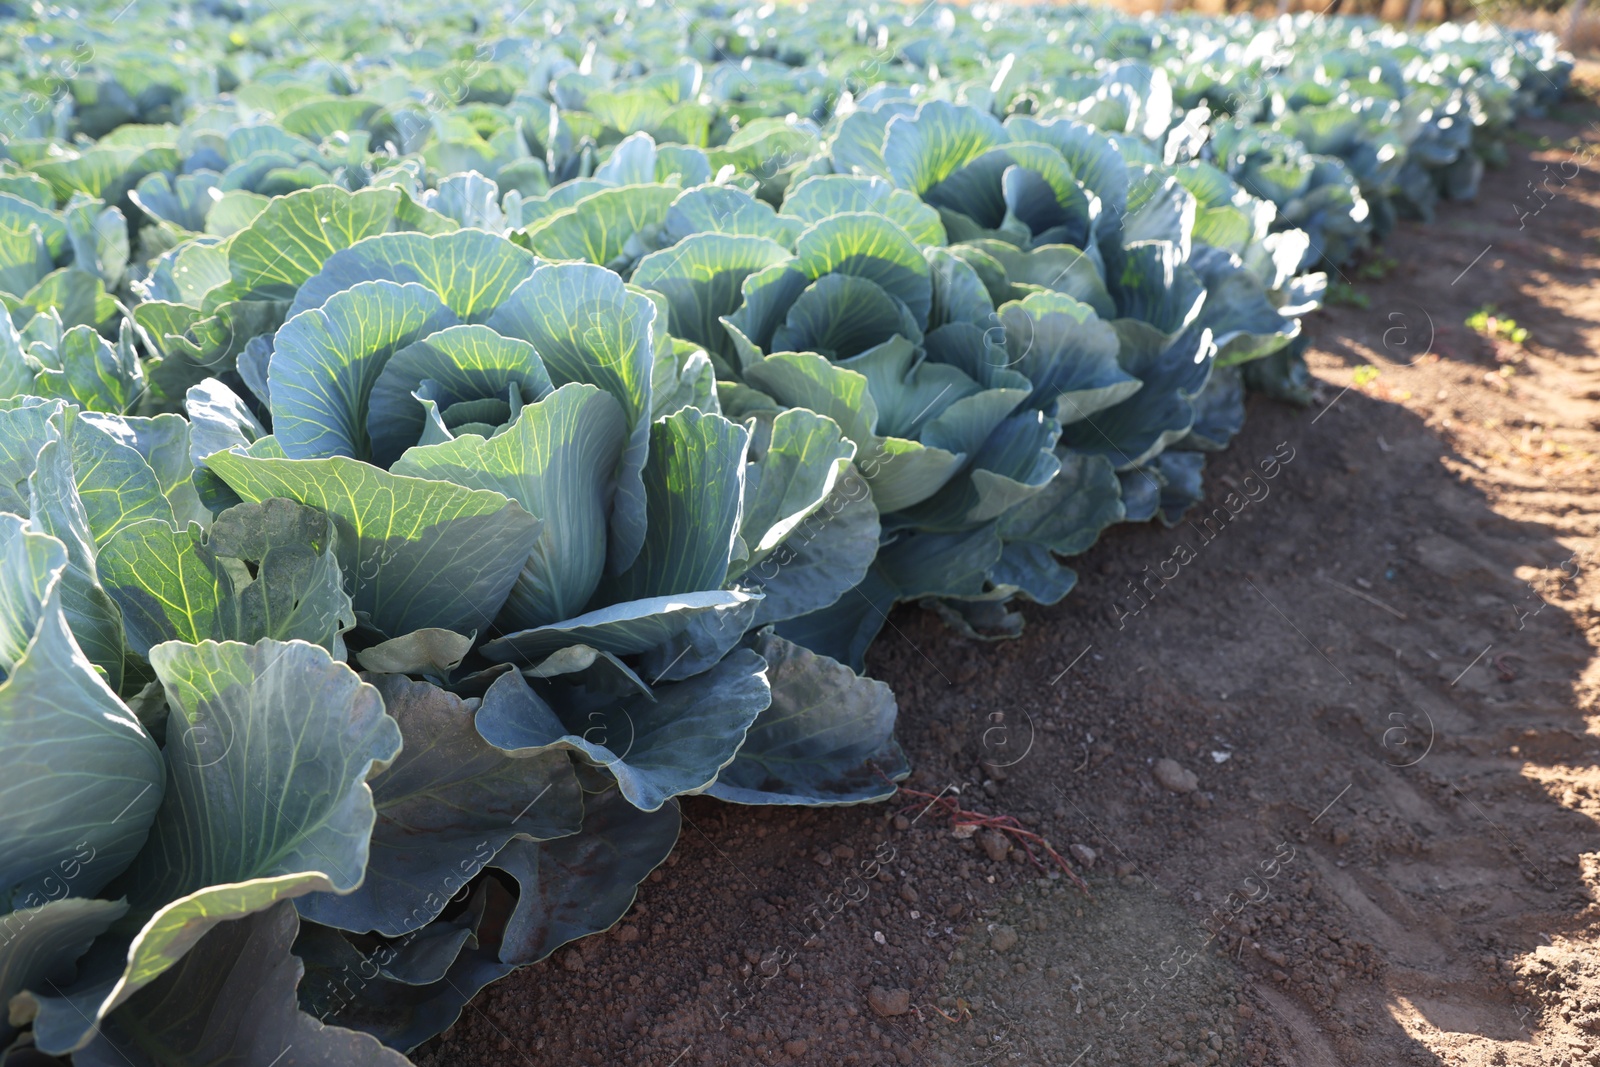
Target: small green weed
(1377, 268)
(1343, 294)
(1488, 322)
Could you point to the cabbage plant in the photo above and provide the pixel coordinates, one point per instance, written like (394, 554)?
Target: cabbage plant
(433, 455)
(535, 565)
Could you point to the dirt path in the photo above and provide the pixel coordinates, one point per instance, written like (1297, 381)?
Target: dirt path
(1380, 673)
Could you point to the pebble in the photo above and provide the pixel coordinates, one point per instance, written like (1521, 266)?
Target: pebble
(889, 1001)
(1175, 777)
(995, 845)
(1003, 938)
(1083, 854)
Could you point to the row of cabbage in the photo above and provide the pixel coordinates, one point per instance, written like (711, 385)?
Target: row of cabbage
(437, 439)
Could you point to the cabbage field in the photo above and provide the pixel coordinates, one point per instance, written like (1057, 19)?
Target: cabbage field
(436, 436)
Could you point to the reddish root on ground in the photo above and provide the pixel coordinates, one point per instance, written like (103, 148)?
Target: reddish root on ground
(1006, 824)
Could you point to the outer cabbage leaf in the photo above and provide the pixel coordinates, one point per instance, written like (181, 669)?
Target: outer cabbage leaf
(408, 990)
(726, 209)
(580, 885)
(621, 629)
(231, 1000)
(1014, 462)
(1073, 510)
(416, 553)
(431, 652)
(603, 228)
(44, 942)
(55, 507)
(826, 738)
(78, 770)
(656, 747)
(445, 807)
(471, 271)
(264, 570)
(824, 195)
(263, 802)
(164, 444)
(296, 234)
(823, 559)
(843, 630)
(1159, 414)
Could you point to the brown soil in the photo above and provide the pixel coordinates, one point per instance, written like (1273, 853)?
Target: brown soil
(1382, 674)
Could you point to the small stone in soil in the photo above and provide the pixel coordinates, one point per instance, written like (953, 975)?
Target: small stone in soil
(1175, 777)
(995, 845)
(889, 1001)
(1003, 938)
(1083, 854)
